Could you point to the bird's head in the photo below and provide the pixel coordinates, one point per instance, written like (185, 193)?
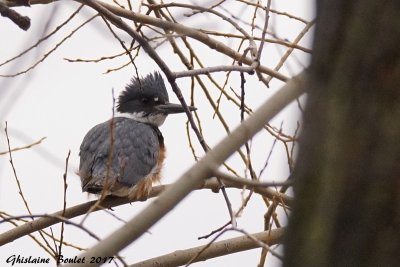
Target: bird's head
(146, 100)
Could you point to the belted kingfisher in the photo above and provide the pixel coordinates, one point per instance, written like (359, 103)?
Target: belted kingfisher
(124, 155)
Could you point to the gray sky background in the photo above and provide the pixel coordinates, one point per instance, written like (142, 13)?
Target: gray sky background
(62, 101)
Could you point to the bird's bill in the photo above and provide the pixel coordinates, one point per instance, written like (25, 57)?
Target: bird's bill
(171, 108)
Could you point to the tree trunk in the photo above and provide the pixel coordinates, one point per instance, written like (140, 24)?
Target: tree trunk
(347, 176)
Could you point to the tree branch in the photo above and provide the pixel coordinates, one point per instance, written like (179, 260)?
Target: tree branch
(23, 22)
(110, 202)
(23, 147)
(187, 31)
(216, 249)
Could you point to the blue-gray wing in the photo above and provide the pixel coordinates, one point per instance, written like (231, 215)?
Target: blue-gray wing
(135, 152)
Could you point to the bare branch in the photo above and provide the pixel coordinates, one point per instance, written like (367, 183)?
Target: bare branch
(43, 38)
(208, 70)
(23, 147)
(216, 249)
(64, 203)
(290, 50)
(190, 32)
(247, 182)
(23, 22)
(49, 52)
(19, 185)
(110, 202)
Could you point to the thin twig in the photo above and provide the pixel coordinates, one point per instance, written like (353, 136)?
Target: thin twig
(127, 51)
(43, 38)
(4, 215)
(65, 202)
(179, 28)
(49, 52)
(260, 243)
(290, 50)
(275, 11)
(19, 185)
(56, 217)
(268, 40)
(15, 171)
(23, 147)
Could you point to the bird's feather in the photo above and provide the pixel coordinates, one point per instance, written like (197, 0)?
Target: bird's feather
(134, 154)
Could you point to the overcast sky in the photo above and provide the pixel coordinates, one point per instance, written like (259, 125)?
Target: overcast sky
(62, 101)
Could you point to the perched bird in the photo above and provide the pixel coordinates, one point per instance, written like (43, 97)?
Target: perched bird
(124, 155)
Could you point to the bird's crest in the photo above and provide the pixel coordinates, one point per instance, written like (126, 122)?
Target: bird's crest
(150, 86)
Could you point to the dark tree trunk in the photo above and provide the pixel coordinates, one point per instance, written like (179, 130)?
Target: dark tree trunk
(347, 210)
